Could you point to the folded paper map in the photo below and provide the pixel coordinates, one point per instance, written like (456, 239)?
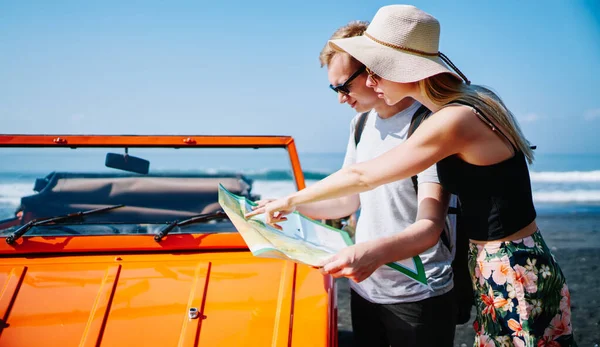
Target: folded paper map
(301, 239)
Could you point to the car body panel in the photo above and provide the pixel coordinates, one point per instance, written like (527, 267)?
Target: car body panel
(121, 290)
(144, 299)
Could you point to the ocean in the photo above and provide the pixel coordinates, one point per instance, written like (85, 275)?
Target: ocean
(563, 184)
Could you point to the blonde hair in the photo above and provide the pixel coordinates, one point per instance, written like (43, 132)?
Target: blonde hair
(354, 28)
(445, 88)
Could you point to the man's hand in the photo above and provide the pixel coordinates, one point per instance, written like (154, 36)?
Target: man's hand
(356, 262)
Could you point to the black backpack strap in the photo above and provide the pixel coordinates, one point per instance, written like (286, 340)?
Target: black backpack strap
(420, 115)
(360, 125)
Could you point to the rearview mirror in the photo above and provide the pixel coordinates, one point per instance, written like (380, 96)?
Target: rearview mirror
(127, 162)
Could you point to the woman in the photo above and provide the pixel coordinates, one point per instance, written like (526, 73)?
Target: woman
(522, 297)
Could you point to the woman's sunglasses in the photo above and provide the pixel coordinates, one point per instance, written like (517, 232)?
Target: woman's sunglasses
(374, 76)
(343, 88)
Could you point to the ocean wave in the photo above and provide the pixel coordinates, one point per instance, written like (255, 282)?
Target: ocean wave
(11, 193)
(255, 174)
(579, 196)
(568, 176)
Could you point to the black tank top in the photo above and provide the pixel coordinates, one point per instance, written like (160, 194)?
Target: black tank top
(495, 200)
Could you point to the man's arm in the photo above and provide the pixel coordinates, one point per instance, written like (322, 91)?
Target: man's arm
(358, 262)
(424, 233)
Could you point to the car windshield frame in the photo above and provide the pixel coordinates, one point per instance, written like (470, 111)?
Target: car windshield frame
(34, 242)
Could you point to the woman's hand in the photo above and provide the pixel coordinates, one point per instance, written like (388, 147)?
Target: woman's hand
(274, 210)
(356, 262)
(261, 203)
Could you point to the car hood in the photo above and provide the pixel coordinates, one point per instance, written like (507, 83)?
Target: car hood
(145, 300)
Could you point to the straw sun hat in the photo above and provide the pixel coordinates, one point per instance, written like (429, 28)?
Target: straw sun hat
(401, 45)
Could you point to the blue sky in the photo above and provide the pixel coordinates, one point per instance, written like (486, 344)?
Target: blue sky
(239, 67)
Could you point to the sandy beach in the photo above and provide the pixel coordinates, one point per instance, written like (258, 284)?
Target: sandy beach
(575, 243)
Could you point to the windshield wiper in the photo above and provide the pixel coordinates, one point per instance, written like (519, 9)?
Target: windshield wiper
(37, 222)
(196, 219)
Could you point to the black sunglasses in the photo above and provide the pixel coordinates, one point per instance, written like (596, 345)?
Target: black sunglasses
(343, 88)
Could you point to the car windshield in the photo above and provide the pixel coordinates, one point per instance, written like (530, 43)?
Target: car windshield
(157, 186)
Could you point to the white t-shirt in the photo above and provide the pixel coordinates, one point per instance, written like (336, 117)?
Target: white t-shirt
(390, 209)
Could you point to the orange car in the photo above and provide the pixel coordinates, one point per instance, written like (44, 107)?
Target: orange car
(120, 241)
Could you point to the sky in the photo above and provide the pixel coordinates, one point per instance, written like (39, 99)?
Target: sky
(252, 68)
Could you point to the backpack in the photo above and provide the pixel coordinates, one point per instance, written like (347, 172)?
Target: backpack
(457, 242)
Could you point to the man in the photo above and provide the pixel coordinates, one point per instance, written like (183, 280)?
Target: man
(388, 308)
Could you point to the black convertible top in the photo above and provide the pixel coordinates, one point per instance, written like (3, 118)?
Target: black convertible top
(148, 198)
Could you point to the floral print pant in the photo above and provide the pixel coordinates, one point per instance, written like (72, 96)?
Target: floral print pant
(522, 297)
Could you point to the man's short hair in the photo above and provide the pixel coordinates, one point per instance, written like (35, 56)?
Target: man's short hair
(354, 28)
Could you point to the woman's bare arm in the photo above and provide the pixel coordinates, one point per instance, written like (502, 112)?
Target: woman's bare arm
(438, 137)
(326, 209)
